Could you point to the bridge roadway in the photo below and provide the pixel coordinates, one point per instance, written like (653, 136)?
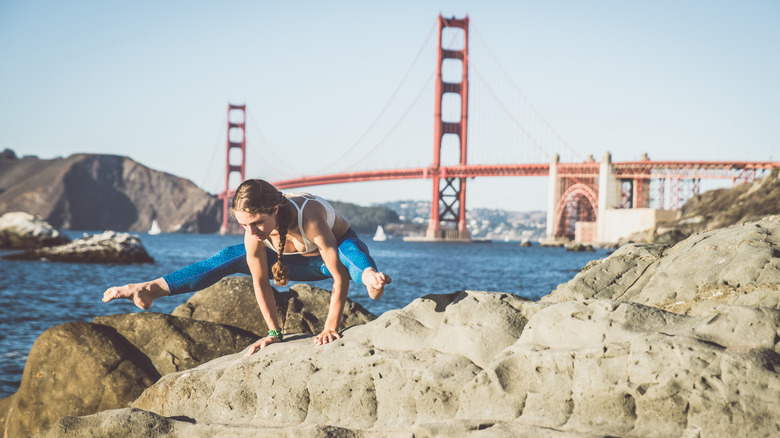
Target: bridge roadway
(646, 169)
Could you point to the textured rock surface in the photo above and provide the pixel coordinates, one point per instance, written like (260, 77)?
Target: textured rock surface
(487, 364)
(174, 344)
(302, 309)
(737, 265)
(75, 369)
(407, 366)
(82, 368)
(107, 247)
(105, 192)
(23, 230)
(601, 356)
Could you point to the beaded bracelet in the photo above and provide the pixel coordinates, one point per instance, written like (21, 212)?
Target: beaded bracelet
(276, 334)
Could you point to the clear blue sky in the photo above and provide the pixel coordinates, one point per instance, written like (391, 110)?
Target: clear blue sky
(680, 80)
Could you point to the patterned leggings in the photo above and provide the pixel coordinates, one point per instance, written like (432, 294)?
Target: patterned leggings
(353, 253)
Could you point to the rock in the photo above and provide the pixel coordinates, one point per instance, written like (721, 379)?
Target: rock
(579, 247)
(618, 368)
(82, 368)
(130, 422)
(23, 230)
(76, 369)
(173, 344)
(106, 192)
(485, 364)
(108, 247)
(738, 265)
(525, 243)
(652, 341)
(302, 309)
(407, 366)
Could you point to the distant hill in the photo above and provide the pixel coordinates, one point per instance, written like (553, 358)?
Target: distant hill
(104, 192)
(365, 219)
(718, 208)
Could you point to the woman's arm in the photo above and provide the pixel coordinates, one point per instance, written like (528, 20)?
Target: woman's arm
(258, 267)
(320, 233)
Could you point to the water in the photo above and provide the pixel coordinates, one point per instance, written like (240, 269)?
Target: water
(36, 295)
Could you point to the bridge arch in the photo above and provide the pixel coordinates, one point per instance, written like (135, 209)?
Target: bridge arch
(579, 203)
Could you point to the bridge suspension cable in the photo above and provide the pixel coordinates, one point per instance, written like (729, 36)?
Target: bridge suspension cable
(522, 95)
(282, 169)
(383, 110)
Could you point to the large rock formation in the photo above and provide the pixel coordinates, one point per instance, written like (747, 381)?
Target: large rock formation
(20, 230)
(739, 265)
(302, 309)
(101, 192)
(107, 247)
(83, 368)
(602, 355)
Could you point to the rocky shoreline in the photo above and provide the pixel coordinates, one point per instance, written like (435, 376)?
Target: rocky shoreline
(654, 340)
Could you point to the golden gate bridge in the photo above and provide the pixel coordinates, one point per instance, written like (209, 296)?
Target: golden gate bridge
(583, 193)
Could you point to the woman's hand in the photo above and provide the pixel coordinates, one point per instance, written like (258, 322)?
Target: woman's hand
(326, 337)
(262, 343)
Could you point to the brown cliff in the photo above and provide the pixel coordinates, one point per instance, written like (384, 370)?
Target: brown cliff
(99, 192)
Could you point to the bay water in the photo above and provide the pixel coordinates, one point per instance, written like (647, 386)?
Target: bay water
(36, 295)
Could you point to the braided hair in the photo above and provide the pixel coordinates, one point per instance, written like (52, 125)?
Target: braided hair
(256, 196)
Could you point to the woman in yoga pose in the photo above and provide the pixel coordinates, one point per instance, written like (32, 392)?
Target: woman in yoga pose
(291, 236)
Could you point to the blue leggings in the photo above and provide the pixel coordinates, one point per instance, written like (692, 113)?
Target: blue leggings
(353, 253)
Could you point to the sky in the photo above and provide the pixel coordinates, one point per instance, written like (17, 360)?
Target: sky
(346, 85)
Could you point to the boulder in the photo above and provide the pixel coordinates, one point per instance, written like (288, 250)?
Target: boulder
(407, 366)
(302, 309)
(108, 247)
(19, 230)
(484, 364)
(82, 368)
(76, 369)
(174, 344)
(737, 265)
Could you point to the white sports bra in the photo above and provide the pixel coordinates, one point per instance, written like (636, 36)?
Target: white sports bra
(330, 219)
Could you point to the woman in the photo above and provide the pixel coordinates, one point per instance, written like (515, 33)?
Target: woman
(294, 236)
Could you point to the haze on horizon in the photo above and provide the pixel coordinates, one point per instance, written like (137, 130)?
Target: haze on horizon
(692, 80)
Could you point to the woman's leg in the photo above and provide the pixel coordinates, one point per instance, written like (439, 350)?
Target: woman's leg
(200, 275)
(231, 260)
(354, 254)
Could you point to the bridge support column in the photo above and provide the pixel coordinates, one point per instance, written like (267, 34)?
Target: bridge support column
(236, 140)
(553, 195)
(449, 198)
(609, 194)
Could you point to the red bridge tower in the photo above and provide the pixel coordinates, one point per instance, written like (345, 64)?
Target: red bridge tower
(449, 201)
(236, 140)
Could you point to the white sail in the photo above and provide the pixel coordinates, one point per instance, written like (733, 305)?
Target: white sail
(155, 229)
(380, 235)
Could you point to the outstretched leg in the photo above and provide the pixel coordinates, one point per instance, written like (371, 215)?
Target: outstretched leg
(141, 294)
(197, 276)
(375, 282)
(353, 253)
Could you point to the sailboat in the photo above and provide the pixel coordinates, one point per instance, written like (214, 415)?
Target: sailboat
(380, 235)
(155, 229)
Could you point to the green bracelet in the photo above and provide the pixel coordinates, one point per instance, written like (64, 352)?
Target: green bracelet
(276, 334)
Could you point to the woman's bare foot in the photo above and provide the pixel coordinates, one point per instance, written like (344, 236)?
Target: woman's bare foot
(375, 282)
(141, 294)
